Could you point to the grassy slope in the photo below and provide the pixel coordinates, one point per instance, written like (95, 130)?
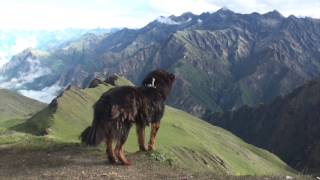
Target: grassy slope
(186, 139)
(14, 108)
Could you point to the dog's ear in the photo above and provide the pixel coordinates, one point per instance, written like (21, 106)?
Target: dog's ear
(172, 77)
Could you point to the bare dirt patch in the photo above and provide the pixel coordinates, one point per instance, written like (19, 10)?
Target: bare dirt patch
(68, 163)
(84, 163)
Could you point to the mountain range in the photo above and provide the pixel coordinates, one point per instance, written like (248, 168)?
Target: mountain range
(288, 126)
(14, 41)
(222, 60)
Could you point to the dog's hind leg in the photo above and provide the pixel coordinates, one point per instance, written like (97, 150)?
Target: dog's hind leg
(121, 155)
(123, 135)
(110, 151)
(140, 133)
(109, 137)
(154, 129)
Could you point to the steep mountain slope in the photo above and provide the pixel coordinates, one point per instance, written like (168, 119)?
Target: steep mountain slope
(223, 60)
(15, 108)
(288, 126)
(189, 141)
(15, 41)
(42, 75)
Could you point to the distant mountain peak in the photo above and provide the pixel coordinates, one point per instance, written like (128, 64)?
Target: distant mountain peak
(224, 10)
(292, 17)
(31, 52)
(187, 14)
(273, 14)
(176, 20)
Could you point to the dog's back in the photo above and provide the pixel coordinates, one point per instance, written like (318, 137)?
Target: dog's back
(119, 103)
(116, 106)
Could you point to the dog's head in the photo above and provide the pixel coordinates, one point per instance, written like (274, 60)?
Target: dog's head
(160, 80)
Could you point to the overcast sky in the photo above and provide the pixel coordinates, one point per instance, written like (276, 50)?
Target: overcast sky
(58, 14)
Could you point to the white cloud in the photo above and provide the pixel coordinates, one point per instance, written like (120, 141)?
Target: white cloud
(61, 14)
(310, 10)
(244, 6)
(286, 7)
(168, 20)
(177, 7)
(23, 43)
(20, 44)
(35, 71)
(3, 60)
(45, 95)
(58, 14)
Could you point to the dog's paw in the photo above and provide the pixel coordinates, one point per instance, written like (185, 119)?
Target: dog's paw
(142, 148)
(151, 147)
(126, 163)
(112, 160)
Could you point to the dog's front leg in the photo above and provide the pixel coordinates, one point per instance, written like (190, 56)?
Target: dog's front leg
(140, 133)
(154, 129)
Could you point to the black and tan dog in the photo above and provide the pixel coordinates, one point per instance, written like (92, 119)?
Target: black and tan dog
(120, 107)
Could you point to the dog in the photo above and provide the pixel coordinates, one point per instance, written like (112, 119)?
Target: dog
(121, 107)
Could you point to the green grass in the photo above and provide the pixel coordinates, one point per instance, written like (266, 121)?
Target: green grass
(15, 106)
(247, 94)
(183, 139)
(122, 81)
(28, 142)
(11, 123)
(181, 133)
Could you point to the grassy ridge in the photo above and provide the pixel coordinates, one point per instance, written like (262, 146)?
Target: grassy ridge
(15, 108)
(183, 138)
(200, 146)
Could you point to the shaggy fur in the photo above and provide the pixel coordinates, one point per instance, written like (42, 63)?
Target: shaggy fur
(121, 107)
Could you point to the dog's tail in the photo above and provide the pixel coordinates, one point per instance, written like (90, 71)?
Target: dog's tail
(95, 134)
(92, 135)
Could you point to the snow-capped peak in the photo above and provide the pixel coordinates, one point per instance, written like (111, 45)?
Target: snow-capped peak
(167, 20)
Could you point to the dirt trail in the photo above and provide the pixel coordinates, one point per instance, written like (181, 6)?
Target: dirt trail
(77, 163)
